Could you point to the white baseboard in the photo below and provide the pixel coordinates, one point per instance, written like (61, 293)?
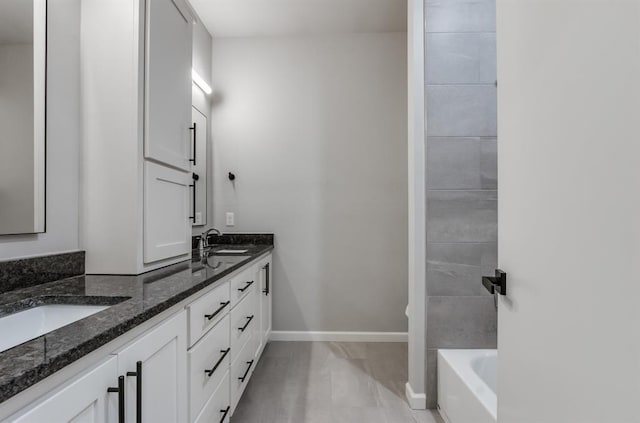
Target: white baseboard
(416, 401)
(277, 335)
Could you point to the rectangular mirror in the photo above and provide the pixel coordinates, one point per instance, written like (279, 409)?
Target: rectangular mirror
(23, 52)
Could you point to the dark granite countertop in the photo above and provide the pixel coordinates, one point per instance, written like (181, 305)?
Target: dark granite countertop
(133, 300)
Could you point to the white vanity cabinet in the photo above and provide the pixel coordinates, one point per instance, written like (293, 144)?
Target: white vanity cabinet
(136, 120)
(155, 368)
(146, 378)
(264, 268)
(238, 311)
(84, 399)
(191, 364)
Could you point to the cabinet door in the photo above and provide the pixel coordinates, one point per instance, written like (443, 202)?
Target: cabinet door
(168, 82)
(163, 376)
(84, 400)
(266, 288)
(167, 228)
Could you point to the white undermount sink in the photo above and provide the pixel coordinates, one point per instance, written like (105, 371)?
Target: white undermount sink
(230, 251)
(34, 322)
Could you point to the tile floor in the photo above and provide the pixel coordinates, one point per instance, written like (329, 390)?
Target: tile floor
(330, 382)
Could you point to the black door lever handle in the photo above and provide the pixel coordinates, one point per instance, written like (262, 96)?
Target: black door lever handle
(497, 283)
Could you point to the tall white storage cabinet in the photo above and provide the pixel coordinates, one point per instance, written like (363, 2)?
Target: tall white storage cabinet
(136, 105)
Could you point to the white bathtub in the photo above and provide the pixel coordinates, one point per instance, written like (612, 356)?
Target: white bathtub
(467, 382)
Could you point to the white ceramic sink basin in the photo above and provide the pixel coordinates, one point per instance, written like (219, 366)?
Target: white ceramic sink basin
(34, 322)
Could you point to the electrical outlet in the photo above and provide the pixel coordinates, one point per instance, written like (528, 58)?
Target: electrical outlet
(231, 219)
(198, 218)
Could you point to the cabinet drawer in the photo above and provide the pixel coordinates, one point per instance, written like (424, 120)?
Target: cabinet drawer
(241, 371)
(218, 408)
(206, 311)
(242, 285)
(208, 363)
(244, 320)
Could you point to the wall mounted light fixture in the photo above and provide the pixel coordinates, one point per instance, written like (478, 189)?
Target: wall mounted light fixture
(197, 79)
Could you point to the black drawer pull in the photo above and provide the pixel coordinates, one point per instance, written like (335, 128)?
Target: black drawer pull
(249, 319)
(267, 288)
(194, 128)
(138, 375)
(225, 412)
(215, 366)
(246, 286)
(244, 376)
(215, 313)
(120, 391)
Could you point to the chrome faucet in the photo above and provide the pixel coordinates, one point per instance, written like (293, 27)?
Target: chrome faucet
(204, 243)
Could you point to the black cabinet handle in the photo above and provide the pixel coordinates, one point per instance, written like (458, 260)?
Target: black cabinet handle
(497, 283)
(249, 283)
(267, 289)
(249, 319)
(195, 178)
(218, 311)
(246, 372)
(138, 375)
(120, 391)
(224, 413)
(215, 366)
(195, 133)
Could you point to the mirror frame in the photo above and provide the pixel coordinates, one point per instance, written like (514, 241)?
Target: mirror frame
(40, 49)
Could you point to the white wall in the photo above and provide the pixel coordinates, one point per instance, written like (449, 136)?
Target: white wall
(63, 139)
(315, 130)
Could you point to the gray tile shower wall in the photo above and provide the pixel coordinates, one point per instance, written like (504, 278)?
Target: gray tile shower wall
(462, 224)
(462, 163)
(460, 15)
(461, 110)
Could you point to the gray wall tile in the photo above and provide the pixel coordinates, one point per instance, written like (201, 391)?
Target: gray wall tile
(457, 269)
(462, 216)
(461, 177)
(456, 58)
(460, 15)
(461, 111)
(462, 163)
(461, 322)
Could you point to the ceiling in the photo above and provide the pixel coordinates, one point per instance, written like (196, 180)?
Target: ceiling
(16, 21)
(250, 18)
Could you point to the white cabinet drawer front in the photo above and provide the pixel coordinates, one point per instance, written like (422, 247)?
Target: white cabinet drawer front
(241, 371)
(218, 408)
(208, 362)
(205, 312)
(242, 285)
(244, 320)
(167, 227)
